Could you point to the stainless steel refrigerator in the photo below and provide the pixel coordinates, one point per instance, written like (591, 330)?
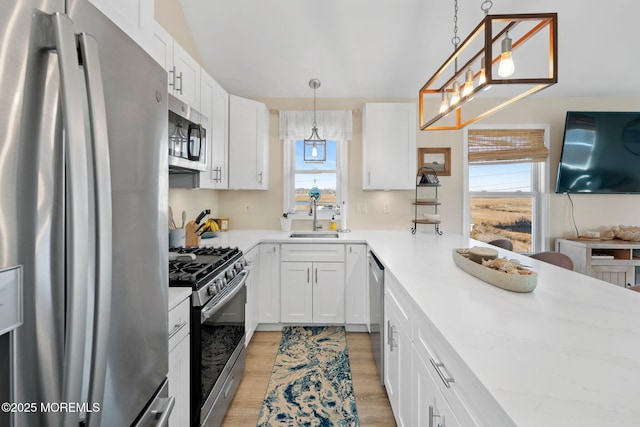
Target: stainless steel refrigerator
(83, 211)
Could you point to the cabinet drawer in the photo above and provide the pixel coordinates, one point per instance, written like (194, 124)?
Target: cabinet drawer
(468, 398)
(179, 323)
(394, 295)
(10, 299)
(313, 252)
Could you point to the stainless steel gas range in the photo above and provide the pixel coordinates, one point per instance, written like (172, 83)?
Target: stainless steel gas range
(217, 277)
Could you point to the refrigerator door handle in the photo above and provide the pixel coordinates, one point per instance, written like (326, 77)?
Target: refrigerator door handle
(102, 191)
(77, 213)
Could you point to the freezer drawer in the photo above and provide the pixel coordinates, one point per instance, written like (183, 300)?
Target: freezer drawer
(10, 299)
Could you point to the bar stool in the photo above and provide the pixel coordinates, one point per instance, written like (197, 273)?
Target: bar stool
(502, 243)
(555, 258)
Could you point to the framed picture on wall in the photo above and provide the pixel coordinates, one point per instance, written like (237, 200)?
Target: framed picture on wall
(437, 158)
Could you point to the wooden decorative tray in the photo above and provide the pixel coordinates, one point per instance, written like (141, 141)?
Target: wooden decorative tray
(508, 281)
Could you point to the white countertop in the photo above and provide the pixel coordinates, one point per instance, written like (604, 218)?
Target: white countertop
(566, 354)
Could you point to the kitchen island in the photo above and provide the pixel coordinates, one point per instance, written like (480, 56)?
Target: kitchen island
(566, 354)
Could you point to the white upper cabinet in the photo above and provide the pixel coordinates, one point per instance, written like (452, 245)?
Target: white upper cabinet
(248, 144)
(134, 17)
(214, 101)
(185, 76)
(183, 70)
(389, 146)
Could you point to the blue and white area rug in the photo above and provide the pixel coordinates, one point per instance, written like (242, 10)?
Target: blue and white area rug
(310, 384)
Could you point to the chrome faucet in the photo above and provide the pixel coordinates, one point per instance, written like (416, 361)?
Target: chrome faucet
(313, 207)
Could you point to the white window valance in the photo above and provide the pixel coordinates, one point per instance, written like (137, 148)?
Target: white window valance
(333, 124)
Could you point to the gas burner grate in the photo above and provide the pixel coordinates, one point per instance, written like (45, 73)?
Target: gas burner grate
(189, 271)
(208, 263)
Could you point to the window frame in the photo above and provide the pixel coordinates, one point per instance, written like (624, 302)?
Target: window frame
(540, 238)
(288, 181)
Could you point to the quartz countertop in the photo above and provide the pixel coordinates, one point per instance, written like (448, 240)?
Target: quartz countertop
(566, 354)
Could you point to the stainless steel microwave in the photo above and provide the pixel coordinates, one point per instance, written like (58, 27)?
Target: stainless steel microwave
(187, 138)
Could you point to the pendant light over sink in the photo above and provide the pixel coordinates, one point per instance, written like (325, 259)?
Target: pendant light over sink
(315, 148)
(486, 60)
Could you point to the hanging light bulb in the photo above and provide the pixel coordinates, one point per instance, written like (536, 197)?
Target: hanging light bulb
(467, 89)
(455, 96)
(445, 103)
(483, 77)
(506, 67)
(314, 151)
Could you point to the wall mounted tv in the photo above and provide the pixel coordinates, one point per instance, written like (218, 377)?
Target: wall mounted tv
(600, 153)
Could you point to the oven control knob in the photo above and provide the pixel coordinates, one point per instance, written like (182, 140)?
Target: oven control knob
(230, 274)
(220, 284)
(211, 290)
(239, 266)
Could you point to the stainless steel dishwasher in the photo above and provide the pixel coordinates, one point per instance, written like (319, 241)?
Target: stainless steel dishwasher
(376, 312)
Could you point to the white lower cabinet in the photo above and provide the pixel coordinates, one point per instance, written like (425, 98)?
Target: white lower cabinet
(397, 358)
(269, 288)
(179, 362)
(430, 407)
(356, 290)
(312, 292)
(253, 300)
(312, 283)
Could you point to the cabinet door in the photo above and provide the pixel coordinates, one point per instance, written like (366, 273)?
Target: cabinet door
(296, 292)
(134, 17)
(356, 292)
(389, 146)
(248, 144)
(397, 362)
(431, 408)
(620, 275)
(161, 50)
(328, 292)
(269, 287)
(187, 77)
(179, 383)
(214, 102)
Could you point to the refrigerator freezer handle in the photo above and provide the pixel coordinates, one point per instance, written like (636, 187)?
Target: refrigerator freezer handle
(77, 213)
(102, 191)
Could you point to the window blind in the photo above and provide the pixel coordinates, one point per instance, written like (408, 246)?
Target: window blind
(506, 146)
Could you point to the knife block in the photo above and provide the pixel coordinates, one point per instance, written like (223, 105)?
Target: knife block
(191, 238)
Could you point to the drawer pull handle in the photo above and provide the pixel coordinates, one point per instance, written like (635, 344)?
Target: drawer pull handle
(438, 366)
(433, 415)
(176, 329)
(391, 330)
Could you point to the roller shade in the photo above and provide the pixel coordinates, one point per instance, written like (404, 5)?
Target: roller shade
(506, 146)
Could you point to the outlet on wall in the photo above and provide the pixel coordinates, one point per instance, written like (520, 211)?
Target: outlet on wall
(386, 208)
(361, 208)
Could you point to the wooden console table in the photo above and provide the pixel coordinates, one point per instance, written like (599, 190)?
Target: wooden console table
(613, 261)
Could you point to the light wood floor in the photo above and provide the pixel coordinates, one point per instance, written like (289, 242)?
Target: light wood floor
(371, 399)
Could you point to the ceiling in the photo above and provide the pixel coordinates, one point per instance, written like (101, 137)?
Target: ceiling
(389, 48)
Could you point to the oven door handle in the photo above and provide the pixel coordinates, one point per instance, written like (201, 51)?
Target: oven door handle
(212, 308)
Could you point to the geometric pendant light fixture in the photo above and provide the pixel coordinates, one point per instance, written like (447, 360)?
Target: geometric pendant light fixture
(315, 148)
(486, 58)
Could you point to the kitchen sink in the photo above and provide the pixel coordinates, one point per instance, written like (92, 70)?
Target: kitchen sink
(314, 234)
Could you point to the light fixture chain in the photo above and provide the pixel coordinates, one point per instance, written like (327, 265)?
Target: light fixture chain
(455, 40)
(486, 6)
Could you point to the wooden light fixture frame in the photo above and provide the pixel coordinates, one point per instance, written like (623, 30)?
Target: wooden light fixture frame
(545, 20)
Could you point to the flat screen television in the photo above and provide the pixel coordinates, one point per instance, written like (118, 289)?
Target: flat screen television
(600, 153)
